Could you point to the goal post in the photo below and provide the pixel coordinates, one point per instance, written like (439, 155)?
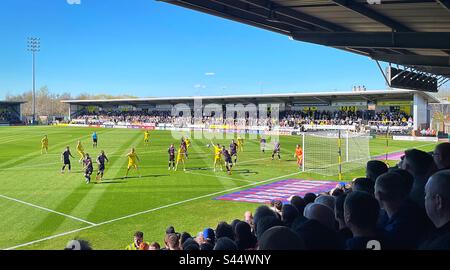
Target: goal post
(334, 152)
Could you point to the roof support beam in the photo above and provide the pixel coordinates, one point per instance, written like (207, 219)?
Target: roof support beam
(444, 3)
(390, 40)
(413, 60)
(371, 14)
(298, 15)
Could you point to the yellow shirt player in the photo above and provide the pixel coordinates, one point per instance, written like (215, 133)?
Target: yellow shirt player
(80, 151)
(146, 137)
(181, 157)
(240, 143)
(44, 144)
(217, 156)
(188, 142)
(133, 160)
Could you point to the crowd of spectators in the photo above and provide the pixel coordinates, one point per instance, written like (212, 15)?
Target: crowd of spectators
(286, 119)
(405, 207)
(297, 118)
(9, 117)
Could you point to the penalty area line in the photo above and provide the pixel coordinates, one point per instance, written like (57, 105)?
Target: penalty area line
(149, 211)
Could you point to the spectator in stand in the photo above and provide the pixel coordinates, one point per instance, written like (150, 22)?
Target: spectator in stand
(248, 217)
(190, 244)
(375, 168)
(245, 239)
(234, 223)
(208, 236)
(441, 156)
(421, 166)
(309, 198)
(225, 243)
(363, 184)
(281, 238)
(437, 205)
(276, 206)
(183, 237)
(289, 214)
(265, 223)
(407, 222)
(262, 211)
(361, 212)
(224, 230)
(344, 232)
(154, 246)
(319, 232)
(172, 241)
(78, 244)
(137, 241)
(326, 200)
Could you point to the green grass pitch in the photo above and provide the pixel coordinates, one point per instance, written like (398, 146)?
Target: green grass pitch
(42, 209)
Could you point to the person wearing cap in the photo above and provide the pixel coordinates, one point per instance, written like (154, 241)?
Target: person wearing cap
(209, 236)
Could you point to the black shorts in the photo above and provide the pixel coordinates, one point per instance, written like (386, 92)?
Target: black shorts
(88, 171)
(276, 151)
(172, 158)
(94, 140)
(228, 160)
(101, 167)
(234, 154)
(66, 162)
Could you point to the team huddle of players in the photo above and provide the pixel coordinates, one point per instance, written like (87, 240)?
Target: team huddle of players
(223, 157)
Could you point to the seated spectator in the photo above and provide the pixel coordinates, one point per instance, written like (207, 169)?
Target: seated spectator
(206, 246)
(245, 239)
(154, 246)
(137, 241)
(326, 200)
(248, 217)
(78, 244)
(183, 237)
(441, 156)
(437, 205)
(407, 221)
(261, 212)
(309, 198)
(344, 232)
(172, 241)
(190, 244)
(225, 243)
(361, 212)
(288, 214)
(363, 184)
(298, 203)
(266, 223)
(276, 206)
(421, 166)
(375, 168)
(280, 238)
(321, 213)
(224, 230)
(234, 223)
(208, 236)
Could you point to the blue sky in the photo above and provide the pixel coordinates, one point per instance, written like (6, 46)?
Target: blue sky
(149, 48)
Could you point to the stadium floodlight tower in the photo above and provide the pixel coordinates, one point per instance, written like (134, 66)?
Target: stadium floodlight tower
(34, 46)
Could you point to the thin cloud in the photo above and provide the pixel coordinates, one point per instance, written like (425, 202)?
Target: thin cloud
(74, 2)
(200, 86)
(210, 73)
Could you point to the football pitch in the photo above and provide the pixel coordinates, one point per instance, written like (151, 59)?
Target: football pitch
(40, 208)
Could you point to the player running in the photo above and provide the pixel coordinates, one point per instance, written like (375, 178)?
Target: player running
(217, 156)
(94, 139)
(276, 150)
(233, 151)
(299, 156)
(80, 151)
(227, 159)
(240, 143)
(181, 157)
(262, 145)
(101, 159)
(44, 145)
(65, 158)
(133, 161)
(171, 151)
(146, 137)
(88, 168)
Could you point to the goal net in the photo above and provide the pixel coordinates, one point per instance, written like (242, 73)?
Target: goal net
(334, 152)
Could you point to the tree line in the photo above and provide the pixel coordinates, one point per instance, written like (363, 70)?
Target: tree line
(49, 103)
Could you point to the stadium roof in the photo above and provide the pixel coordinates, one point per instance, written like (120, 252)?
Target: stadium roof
(311, 97)
(411, 33)
(4, 102)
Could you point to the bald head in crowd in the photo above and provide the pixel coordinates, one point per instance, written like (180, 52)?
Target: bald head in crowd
(320, 213)
(326, 200)
(441, 156)
(437, 198)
